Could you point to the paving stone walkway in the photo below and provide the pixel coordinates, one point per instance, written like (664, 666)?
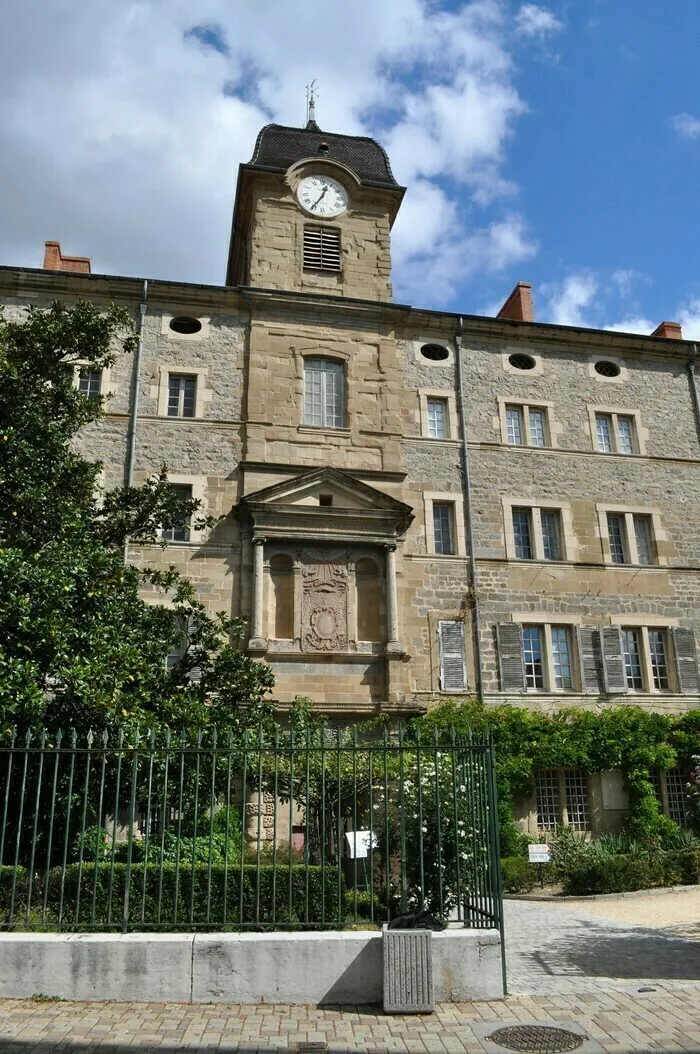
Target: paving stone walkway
(562, 948)
(667, 1019)
(568, 965)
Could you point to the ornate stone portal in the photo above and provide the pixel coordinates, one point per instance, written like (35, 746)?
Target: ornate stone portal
(324, 608)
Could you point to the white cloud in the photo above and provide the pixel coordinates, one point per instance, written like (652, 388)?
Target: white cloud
(633, 325)
(686, 125)
(458, 254)
(689, 318)
(568, 301)
(119, 140)
(534, 21)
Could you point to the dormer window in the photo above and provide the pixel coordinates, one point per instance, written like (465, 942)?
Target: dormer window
(322, 249)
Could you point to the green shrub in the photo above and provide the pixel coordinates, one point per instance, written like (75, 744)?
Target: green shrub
(612, 874)
(517, 875)
(681, 868)
(364, 905)
(21, 886)
(177, 898)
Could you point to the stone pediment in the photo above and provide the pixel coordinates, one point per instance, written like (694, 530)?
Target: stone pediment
(326, 503)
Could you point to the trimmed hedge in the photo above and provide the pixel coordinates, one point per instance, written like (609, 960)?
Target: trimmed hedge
(626, 872)
(172, 898)
(21, 886)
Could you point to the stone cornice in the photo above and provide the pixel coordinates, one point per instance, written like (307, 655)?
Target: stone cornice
(18, 281)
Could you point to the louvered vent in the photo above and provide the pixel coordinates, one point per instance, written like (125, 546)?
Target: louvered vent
(321, 249)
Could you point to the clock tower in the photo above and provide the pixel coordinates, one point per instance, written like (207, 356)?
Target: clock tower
(313, 213)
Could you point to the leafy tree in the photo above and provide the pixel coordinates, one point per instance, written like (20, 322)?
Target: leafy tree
(79, 646)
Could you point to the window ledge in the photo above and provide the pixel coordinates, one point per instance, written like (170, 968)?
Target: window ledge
(323, 430)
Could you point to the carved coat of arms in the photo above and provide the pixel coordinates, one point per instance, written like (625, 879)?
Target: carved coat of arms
(324, 602)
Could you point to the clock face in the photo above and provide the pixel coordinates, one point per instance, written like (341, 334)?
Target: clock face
(322, 196)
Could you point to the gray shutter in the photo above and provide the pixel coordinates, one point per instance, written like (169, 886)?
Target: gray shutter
(686, 661)
(588, 658)
(453, 673)
(510, 657)
(613, 662)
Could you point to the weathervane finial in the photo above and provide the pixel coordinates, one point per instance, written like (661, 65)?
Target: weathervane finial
(311, 93)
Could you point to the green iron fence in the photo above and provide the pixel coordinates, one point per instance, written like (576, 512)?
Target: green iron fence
(319, 830)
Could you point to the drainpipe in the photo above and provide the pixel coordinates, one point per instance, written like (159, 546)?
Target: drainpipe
(134, 408)
(467, 492)
(694, 386)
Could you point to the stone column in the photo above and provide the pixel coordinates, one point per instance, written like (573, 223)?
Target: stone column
(393, 646)
(257, 641)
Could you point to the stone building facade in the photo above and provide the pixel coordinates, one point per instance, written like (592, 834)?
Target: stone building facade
(413, 505)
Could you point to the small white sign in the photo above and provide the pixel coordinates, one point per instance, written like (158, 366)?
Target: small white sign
(539, 853)
(358, 844)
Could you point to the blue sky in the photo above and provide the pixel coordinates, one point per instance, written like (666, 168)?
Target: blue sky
(557, 143)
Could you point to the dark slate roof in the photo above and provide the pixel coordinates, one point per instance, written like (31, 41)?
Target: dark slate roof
(278, 147)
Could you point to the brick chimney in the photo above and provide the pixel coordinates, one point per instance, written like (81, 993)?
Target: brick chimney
(518, 306)
(54, 260)
(670, 330)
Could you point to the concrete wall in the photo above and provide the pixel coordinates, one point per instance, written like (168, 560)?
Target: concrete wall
(290, 968)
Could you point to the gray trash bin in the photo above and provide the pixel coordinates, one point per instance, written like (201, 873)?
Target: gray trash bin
(408, 971)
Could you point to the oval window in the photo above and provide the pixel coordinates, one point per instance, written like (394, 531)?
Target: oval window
(183, 324)
(607, 369)
(434, 352)
(522, 362)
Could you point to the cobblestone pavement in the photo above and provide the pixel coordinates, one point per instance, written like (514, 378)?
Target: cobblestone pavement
(667, 1019)
(562, 948)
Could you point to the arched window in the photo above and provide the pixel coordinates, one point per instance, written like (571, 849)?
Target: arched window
(370, 607)
(324, 393)
(282, 579)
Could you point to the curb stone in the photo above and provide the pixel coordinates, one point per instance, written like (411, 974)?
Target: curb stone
(559, 898)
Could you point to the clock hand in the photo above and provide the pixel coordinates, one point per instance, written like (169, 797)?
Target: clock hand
(319, 198)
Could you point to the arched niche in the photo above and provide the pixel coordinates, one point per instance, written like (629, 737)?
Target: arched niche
(370, 600)
(282, 583)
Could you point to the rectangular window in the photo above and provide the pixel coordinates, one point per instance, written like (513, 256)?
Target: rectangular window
(551, 534)
(322, 249)
(514, 425)
(538, 433)
(90, 383)
(632, 653)
(522, 534)
(526, 425)
(324, 393)
(642, 535)
(616, 433)
(576, 786)
(603, 433)
(659, 664)
(616, 537)
(547, 798)
(443, 527)
(561, 657)
(675, 796)
(182, 392)
(453, 673)
(180, 531)
(625, 435)
(532, 657)
(437, 418)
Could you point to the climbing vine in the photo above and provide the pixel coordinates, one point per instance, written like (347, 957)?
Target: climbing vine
(626, 738)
